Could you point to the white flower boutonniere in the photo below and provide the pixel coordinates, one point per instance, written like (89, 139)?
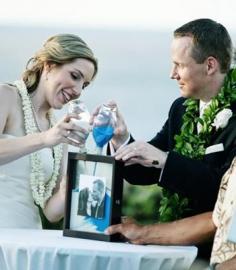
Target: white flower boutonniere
(222, 118)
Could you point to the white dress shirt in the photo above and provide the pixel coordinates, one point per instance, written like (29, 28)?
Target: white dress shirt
(202, 107)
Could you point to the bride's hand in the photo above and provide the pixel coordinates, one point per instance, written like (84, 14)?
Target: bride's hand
(142, 153)
(66, 131)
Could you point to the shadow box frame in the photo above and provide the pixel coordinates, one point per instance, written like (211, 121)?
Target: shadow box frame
(115, 199)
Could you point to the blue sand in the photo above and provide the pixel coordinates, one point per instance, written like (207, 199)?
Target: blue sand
(102, 135)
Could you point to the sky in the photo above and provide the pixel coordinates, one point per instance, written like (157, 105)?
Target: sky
(141, 14)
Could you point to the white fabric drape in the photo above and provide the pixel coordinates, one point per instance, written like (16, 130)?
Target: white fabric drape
(22, 249)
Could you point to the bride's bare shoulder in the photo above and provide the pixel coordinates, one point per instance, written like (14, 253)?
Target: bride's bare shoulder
(8, 92)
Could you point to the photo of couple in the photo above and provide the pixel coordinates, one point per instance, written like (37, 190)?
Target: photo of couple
(91, 200)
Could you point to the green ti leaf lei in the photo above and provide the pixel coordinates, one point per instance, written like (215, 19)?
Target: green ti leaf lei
(193, 145)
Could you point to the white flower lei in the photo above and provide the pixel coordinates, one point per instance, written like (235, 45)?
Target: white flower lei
(41, 190)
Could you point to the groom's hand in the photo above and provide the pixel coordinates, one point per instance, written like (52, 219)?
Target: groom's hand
(142, 153)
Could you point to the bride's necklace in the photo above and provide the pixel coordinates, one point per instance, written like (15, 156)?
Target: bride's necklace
(39, 126)
(41, 189)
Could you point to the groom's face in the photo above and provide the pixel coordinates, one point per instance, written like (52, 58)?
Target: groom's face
(96, 192)
(190, 75)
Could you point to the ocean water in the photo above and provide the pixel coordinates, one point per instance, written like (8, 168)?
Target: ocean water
(134, 69)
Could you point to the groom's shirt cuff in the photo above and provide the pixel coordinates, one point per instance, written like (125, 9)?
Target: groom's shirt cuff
(163, 169)
(161, 174)
(112, 150)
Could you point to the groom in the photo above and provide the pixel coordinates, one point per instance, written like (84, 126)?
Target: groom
(198, 141)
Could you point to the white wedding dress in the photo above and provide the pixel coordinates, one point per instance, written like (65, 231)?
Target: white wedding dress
(17, 208)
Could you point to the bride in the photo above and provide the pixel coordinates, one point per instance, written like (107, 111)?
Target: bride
(33, 150)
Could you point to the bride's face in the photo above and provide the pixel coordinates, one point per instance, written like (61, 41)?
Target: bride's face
(65, 82)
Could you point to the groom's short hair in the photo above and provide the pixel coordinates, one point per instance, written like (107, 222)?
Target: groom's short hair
(210, 39)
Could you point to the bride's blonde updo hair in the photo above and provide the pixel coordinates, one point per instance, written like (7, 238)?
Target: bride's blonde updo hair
(59, 49)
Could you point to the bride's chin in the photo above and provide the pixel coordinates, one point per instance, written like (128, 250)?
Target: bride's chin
(57, 105)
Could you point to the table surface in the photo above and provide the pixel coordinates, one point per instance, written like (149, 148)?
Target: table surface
(22, 249)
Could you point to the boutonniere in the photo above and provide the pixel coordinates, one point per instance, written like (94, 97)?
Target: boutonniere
(222, 118)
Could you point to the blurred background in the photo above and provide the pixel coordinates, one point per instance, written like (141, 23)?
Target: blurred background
(131, 40)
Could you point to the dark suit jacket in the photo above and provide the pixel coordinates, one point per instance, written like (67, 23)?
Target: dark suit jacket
(198, 180)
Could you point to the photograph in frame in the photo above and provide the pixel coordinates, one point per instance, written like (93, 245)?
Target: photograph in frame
(94, 193)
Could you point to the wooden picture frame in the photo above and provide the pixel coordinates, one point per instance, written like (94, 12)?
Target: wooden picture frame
(93, 196)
